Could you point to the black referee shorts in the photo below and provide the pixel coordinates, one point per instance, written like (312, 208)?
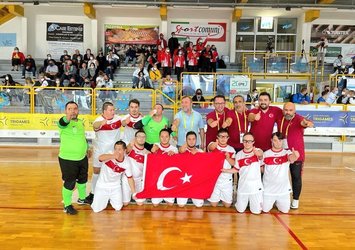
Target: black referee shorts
(74, 171)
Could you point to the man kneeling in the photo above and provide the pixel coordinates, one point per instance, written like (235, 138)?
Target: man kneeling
(108, 187)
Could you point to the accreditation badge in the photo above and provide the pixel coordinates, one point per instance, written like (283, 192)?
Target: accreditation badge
(241, 135)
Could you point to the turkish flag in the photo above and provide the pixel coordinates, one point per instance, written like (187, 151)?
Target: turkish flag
(181, 175)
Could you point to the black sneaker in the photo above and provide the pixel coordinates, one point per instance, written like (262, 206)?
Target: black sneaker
(90, 198)
(70, 210)
(84, 201)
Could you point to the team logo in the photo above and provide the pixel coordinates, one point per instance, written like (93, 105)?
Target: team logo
(271, 115)
(53, 27)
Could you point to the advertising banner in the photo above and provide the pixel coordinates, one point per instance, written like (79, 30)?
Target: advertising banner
(211, 30)
(330, 118)
(239, 85)
(7, 39)
(131, 34)
(344, 34)
(65, 32)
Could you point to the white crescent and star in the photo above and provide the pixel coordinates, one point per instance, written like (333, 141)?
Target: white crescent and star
(276, 161)
(160, 182)
(247, 161)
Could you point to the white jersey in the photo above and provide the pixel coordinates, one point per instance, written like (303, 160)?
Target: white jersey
(249, 173)
(129, 131)
(111, 173)
(163, 150)
(225, 177)
(107, 135)
(136, 157)
(276, 172)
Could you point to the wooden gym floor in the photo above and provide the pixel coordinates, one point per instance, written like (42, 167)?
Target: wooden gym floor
(31, 214)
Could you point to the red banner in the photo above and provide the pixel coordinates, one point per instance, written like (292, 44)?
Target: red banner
(181, 175)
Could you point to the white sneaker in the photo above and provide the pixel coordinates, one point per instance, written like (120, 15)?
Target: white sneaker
(294, 204)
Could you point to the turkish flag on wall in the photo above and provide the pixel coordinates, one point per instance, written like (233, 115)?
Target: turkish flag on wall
(181, 175)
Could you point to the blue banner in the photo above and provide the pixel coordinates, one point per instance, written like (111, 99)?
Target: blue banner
(335, 119)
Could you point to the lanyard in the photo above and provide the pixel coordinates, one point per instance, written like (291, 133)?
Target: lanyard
(288, 126)
(191, 121)
(224, 118)
(245, 122)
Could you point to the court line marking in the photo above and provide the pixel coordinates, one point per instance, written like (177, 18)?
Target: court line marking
(289, 230)
(351, 169)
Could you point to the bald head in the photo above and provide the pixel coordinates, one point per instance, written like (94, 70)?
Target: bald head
(289, 110)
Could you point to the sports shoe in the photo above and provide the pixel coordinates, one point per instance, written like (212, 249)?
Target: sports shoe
(84, 201)
(70, 210)
(90, 198)
(294, 204)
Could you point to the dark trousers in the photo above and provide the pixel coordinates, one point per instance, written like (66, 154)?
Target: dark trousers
(74, 171)
(296, 176)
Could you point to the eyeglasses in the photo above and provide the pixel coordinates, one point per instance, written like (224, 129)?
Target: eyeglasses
(219, 103)
(248, 141)
(223, 136)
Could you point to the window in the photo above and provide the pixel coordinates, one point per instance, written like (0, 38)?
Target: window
(245, 42)
(245, 25)
(265, 42)
(286, 43)
(287, 26)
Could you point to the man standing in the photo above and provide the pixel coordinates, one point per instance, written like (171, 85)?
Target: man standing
(240, 123)
(107, 132)
(73, 156)
(129, 120)
(262, 121)
(217, 119)
(187, 120)
(292, 126)
(173, 43)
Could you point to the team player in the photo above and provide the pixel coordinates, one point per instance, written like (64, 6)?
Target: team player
(129, 120)
(108, 188)
(277, 187)
(73, 157)
(164, 147)
(263, 120)
(190, 148)
(223, 190)
(250, 187)
(136, 154)
(292, 126)
(107, 132)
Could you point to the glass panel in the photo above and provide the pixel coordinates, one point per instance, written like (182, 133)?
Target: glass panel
(245, 25)
(265, 43)
(287, 25)
(265, 30)
(283, 93)
(245, 42)
(286, 43)
(200, 81)
(276, 63)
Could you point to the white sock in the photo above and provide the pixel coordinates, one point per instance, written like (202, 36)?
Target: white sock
(93, 182)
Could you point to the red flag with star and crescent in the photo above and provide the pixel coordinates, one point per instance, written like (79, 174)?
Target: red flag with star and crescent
(181, 175)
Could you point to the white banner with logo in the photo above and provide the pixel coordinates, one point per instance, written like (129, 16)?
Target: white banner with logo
(239, 85)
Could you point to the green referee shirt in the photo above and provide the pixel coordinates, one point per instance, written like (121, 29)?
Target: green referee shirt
(73, 144)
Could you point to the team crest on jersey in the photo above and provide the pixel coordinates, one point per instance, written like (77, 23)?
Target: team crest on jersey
(271, 115)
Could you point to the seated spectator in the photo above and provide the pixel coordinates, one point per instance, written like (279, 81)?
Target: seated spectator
(253, 97)
(106, 95)
(154, 74)
(338, 64)
(92, 59)
(301, 97)
(17, 58)
(131, 55)
(77, 56)
(114, 57)
(198, 97)
(69, 70)
(332, 97)
(343, 99)
(83, 74)
(141, 82)
(29, 65)
(46, 63)
(138, 74)
(100, 79)
(51, 70)
(65, 56)
(93, 72)
(73, 83)
(110, 66)
(323, 97)
(87, 55)
(351, 99)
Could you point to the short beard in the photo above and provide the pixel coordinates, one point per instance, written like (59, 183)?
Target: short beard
(289, 117)
(263, 108)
